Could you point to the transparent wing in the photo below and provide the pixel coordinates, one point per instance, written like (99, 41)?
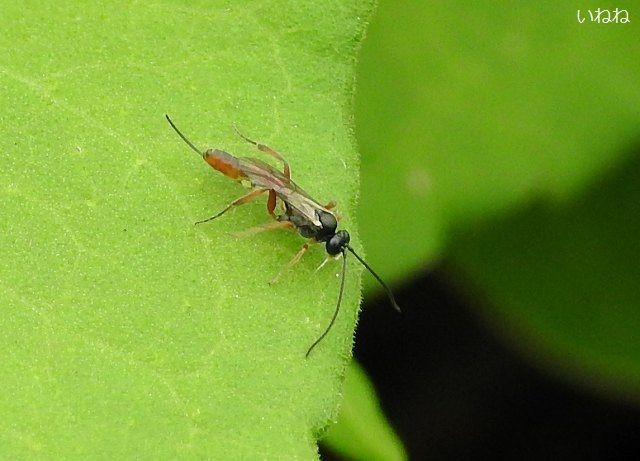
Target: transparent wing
(263, 175)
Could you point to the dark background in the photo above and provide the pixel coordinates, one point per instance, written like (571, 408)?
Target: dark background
(453, 390)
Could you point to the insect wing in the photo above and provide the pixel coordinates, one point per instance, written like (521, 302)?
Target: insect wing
(306, 207)
(263, 175)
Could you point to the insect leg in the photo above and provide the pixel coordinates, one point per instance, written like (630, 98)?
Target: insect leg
(240, 201)
(272, 225)
(291, 263)
(330, 205)
(269, 151)
(326, 260)
(271, 203)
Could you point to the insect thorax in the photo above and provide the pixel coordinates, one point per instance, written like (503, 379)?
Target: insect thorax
(308, 228)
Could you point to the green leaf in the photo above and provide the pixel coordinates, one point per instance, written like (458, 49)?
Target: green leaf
(129, 332)
(362, 432)
(562, 281)
(467, 109)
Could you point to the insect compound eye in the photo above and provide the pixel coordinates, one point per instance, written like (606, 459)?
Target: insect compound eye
(336, 243)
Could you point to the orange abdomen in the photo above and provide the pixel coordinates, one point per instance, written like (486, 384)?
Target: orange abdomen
(224, 162)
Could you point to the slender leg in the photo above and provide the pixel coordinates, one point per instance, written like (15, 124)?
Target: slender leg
(269, 151)
(291, 263)
(240, 201)
(272, 225)
(271, 203)
(326, 260)
(330, 205)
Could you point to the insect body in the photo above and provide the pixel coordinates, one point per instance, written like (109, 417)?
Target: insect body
(301, 212)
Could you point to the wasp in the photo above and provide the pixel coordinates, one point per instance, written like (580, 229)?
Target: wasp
(301, 213)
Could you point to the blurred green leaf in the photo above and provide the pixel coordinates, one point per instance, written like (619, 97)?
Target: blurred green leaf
(128, 332)
(562, 280)
(467, 109)
(361, 432)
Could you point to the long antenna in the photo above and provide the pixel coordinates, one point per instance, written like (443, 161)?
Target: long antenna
(184, 138)
(377, 277)
(335, 314)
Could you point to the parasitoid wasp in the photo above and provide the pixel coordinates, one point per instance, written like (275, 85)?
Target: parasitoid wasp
(301, 213)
